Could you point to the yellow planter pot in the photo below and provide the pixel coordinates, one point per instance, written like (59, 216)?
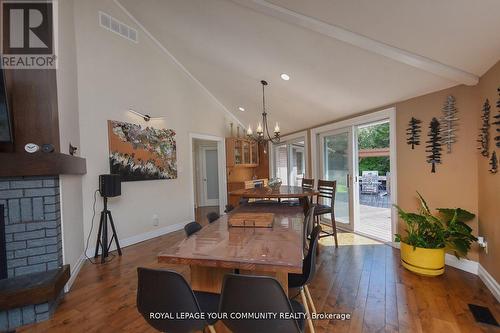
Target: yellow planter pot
(429, 262)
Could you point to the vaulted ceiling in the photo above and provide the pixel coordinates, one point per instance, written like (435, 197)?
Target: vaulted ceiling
(343, 56)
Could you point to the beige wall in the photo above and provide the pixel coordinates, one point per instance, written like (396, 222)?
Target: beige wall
(67, 95)
(489, 184)
(455, 182)
(114, 74)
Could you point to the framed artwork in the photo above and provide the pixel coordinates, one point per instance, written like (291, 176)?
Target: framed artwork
(137, 153)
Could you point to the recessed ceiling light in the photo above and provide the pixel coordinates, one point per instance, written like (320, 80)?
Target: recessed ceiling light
(241, 108)
(285, 77)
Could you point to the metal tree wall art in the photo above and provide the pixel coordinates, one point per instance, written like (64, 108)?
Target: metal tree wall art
(413, 132)
(497, 121)
(449, 123)
(494, 163)
(434, 145)
(484, 134)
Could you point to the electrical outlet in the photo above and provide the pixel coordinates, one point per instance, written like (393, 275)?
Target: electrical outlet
(483, 243)
(156, 220)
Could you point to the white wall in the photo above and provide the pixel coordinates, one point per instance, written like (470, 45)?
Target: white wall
(113, 74)
(67, 98)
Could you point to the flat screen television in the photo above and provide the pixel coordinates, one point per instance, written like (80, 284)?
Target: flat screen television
(5, 123)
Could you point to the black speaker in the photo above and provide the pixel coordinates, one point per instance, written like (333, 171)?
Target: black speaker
(110, 186)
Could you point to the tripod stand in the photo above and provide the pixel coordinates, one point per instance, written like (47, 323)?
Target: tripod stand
(102, 235)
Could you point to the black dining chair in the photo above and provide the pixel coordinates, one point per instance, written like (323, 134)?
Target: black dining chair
(161, 291)
(326, 189)
(258, 294)
(212, 216)
(191, 228)
(307, 227)
(308, 271)
(229, 208)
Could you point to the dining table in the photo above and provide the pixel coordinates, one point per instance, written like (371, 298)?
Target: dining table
(219, 249)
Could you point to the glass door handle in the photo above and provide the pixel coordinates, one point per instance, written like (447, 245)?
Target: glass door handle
(348, 180)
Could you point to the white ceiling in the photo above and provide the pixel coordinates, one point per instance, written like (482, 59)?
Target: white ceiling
(229, 48)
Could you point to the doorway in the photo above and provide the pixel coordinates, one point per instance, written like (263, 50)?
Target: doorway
(359, 154)
(373, 180)
(206, 173)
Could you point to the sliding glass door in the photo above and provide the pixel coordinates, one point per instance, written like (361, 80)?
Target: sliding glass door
(289, 162)
(336, 164)
(358, 158)
(372, 195)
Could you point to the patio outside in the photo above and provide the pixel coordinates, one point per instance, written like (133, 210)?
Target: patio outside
(374, 182)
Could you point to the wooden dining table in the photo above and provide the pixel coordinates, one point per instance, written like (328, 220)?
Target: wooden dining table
(218, 249)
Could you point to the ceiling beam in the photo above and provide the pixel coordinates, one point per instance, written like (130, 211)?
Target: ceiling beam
(363, 42)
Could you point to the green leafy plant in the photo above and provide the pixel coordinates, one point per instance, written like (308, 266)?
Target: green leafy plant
(447, 229)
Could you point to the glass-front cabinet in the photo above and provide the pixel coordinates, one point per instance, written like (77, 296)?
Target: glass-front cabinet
(254, 158)
(241, 152)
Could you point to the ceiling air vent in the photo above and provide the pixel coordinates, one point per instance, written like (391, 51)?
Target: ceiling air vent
(110, 23)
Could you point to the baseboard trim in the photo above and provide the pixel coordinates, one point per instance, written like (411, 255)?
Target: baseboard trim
(462, 264)
(74, 272)
(142, 237)
(489, 281)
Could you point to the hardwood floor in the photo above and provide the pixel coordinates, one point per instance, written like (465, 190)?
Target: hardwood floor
(361, 277)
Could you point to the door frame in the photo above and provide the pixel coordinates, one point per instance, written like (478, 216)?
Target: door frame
(389, 113)
(221, 157)
(203, 199)
(350, 147)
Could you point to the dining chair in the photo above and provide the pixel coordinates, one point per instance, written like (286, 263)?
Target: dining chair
(191, 228)
(326, 189)
(307, 227)
(258, 294)
(212, 216)
(161, 291)
(302, 280)
(307, 184)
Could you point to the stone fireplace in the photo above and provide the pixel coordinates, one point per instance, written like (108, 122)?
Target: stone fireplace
(33, 246)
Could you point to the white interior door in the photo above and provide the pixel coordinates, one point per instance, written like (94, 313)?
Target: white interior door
(336, 164)
(209, 176)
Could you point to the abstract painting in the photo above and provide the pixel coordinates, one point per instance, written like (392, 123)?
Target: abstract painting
(137, 153)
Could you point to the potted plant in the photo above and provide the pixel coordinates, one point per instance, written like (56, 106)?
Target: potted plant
(429, 237)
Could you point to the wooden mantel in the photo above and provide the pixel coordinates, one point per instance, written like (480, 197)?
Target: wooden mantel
(32, 95)
(40, 164)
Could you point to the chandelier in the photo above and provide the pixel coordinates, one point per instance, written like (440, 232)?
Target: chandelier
(262, 132)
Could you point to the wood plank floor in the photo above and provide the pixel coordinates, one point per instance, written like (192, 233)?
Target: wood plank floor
(361, 277)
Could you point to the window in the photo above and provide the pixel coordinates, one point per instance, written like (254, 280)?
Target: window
(289, 161)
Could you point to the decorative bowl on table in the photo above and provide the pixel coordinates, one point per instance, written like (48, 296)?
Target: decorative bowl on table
(274, 183)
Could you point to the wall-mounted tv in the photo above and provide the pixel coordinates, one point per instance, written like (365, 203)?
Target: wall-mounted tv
(5, 124)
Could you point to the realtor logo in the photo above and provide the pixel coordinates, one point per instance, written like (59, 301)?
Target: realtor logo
(28, 35)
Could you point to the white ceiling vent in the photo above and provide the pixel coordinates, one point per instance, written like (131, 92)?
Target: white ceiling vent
(110, 23)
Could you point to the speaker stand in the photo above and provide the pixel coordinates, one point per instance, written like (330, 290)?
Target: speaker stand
(102, 235)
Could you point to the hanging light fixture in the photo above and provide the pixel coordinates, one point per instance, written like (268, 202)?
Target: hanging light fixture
(262, 132)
